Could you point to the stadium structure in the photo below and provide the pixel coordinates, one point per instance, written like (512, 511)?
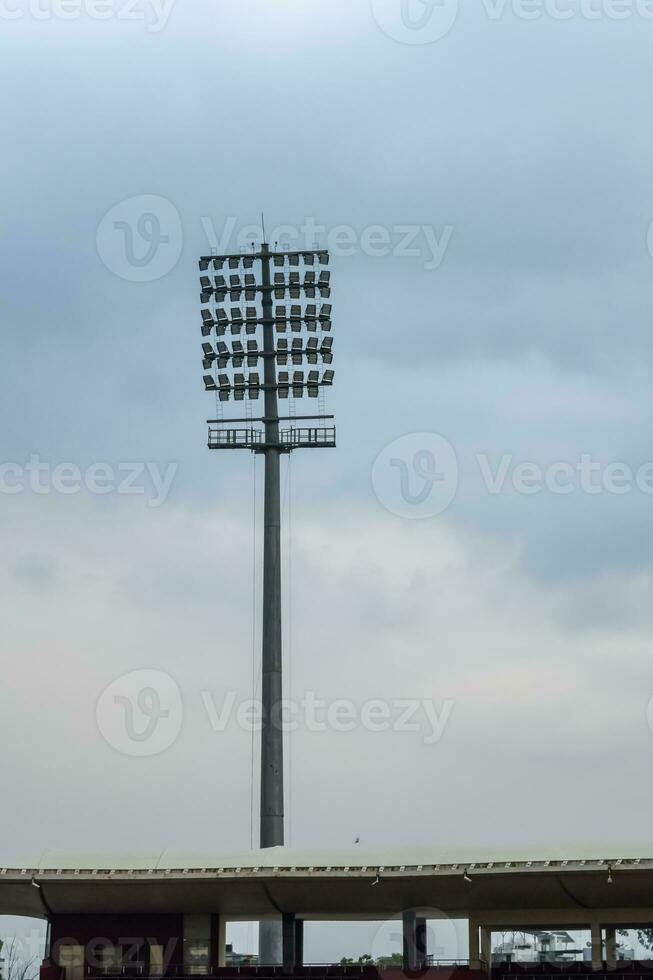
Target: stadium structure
(165, 915)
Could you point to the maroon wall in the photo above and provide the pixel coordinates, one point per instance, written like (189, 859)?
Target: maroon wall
(126, 930)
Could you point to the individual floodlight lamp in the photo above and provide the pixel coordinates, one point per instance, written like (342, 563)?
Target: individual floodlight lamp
(207, 323)
(282, 351)
(326, 349)
(311, 350)
(297, 351)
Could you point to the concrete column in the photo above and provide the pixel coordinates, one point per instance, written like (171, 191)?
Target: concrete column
(597, 946)
(299, 942)
(410, 940)
(289, 939)
(421, 943)
(144, 958)
(611, 947)
(218, 947)
(72, 959)
(474, 948)
(486, 948)
(270, 943)
(156, 958)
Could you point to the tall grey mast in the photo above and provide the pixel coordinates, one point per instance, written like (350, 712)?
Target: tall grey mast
(298, 291)
(272, 831)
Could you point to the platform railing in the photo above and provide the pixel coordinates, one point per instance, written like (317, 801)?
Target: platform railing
(595, 974)
(231, 438)
(307, 437)
(254, 439)
(311, 971)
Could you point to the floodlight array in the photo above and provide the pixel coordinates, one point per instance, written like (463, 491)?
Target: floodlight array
(217, 263)
(251, 386)
(290, 286)
(296, 316)
(285, 352)
(291, 300)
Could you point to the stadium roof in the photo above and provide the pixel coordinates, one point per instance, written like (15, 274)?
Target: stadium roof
(353, 857)
(354, 883)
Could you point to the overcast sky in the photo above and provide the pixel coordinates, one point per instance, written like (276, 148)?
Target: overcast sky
(493, 289)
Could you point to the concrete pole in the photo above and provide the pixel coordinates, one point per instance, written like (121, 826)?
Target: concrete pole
(486, 948)
(474, 947)
(409, 941)
(218, 947)
(422, 943)
(272, 808)
(289, 928)
(611, 947)
(299, 942)
(597, 946)
(270, 942)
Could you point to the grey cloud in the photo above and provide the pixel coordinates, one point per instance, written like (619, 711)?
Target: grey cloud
(36, 572)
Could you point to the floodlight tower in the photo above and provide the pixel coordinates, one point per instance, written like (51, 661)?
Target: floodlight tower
(296, 286)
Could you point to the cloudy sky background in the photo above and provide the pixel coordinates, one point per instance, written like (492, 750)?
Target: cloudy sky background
(530, 614)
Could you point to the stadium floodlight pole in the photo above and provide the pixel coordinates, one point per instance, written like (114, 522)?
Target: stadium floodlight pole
(272, 810)
(305, 322)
